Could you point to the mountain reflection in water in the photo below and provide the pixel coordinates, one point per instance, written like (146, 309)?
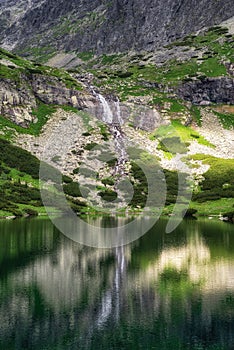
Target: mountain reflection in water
(164, 291)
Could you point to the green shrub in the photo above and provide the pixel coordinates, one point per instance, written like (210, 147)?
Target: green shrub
(190, 212)
(72, 189)
(30, 212)
(229, 215)
(108, 195)
(90, 146)
(172, 145)
(220, 173)
(76, 171)
(112, 162)
(66, 179)
(16, 157)
(87, 172)
(108, 181)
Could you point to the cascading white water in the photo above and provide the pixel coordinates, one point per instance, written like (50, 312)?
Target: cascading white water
(112, 117)
(107, 116)
(118, 112)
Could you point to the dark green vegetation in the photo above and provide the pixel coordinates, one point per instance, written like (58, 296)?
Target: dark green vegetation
(140, 186)
(190, 213)
(172, 145)
(226, 119)
(21, 68)
(176, 137)
(72, 189)
(42, 113)
(19, 172)
(108, 195)
(229, 216)
(15, 157)
(19, 183)
(130, 76)
(218, 180)
(149, 179)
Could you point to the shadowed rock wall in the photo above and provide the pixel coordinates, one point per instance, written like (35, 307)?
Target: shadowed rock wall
(104, 25)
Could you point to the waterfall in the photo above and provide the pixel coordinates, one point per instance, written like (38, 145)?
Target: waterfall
(118, 112)
(107, 112)
(111, 115)
(111, 300)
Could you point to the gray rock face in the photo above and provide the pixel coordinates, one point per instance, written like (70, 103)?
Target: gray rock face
(103, 25)
(18, 101)
(205, 91)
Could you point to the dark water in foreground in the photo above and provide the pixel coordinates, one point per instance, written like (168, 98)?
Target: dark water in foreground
(165, 291)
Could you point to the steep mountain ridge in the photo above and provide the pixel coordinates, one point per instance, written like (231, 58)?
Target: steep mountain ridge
(160, 96)
(104, 26)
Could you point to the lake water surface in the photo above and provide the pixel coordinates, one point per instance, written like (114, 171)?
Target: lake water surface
(164, 291)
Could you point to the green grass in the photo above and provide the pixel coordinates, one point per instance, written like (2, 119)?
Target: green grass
(5, 213)
(176, 129)
(22, 207)
(213, 68)
(217, 165)
(177, 107)
(41, 54)
(215, 207)
(108, 59)
(207, 208)
(226, 119)
(188, 134)
(16, 175)
(125, 75)
(85, 56)
(42, 112)
(10, 73)
(218, 180)
(171, 73)
(196, 113)
(27, 68)
(40, 210)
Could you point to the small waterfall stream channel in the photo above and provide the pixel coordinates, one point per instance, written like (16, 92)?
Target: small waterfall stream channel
(111, 115)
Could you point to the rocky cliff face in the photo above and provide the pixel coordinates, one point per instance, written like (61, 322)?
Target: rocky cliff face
(208, 90)
(18, 102)
(104, 26)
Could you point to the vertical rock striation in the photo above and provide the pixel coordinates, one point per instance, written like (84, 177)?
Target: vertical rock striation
(104, 26)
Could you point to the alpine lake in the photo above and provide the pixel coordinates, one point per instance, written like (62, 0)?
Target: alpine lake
(162, 291)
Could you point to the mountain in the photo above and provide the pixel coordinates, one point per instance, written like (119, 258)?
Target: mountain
(51, 113)
(49, 26)
(109, 85)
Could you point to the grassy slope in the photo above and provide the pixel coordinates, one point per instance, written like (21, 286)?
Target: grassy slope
(18, 70)
(19, 184)
(21, 67)
(126, 74)
(126, 77)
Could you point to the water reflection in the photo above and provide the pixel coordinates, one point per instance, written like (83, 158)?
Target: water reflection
(164, 291)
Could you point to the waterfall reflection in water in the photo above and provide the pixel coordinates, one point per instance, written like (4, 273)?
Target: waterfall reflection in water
(162, 290)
